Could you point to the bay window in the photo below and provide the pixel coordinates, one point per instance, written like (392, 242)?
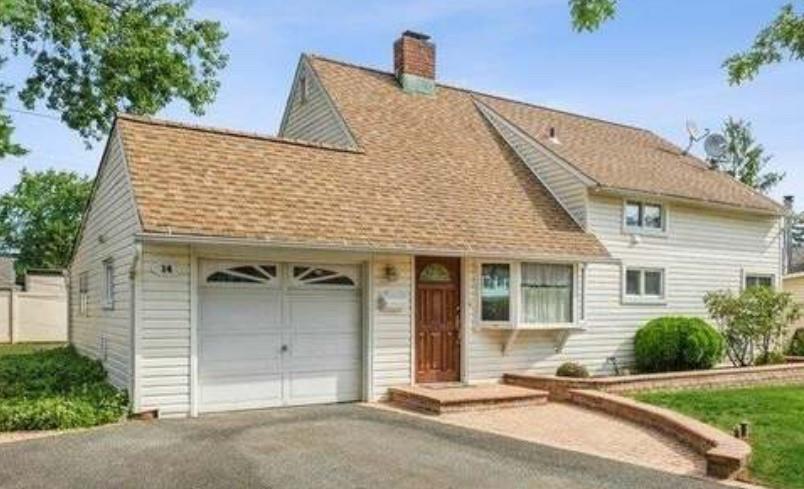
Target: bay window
(527, 293)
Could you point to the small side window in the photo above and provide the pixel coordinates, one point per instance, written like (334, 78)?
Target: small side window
(758, 280)
(108, 284)
(83, 294)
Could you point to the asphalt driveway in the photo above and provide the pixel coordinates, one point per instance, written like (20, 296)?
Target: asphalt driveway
(328, 446)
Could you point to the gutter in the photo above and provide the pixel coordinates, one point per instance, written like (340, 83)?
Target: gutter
(226, 241)
(622, 192)
(134, 400)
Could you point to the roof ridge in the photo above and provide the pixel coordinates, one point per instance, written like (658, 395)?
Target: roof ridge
(233, 132)
(484, 94)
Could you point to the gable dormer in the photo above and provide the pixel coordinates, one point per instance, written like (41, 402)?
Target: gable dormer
(567, 186)
(310, 114)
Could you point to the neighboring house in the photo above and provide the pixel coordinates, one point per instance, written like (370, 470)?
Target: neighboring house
(36, 312)
(794, 283)
(396, 231)
(797, 260)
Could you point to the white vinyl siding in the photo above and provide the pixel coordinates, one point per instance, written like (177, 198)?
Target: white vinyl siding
(566, 187)
(704, 250)
(313, 117)
(392, 350)
(108, 232)
(164, 316)
(164, 330)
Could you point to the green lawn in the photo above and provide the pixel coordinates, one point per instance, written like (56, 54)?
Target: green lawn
(51, 387)
(776, 415)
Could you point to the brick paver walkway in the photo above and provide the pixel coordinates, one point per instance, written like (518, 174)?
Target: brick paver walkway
(575, 428)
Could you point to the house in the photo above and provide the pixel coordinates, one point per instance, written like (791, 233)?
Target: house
(396, 231)
(794, 283)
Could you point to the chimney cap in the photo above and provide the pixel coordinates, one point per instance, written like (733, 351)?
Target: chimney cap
(416, 35)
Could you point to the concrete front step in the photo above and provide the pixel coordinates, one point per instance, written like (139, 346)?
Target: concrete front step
(440, 399)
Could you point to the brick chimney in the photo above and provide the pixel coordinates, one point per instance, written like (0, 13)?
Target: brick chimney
(414, 63)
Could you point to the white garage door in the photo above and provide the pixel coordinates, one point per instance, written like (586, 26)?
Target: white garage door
(275, 334)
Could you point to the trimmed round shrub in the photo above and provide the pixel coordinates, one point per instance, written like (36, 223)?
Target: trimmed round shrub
(671, 344)
(572, 369)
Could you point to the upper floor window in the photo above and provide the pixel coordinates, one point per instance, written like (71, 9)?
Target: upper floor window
(644, 216)
(83, 293)
(758, 280)
(108, 284)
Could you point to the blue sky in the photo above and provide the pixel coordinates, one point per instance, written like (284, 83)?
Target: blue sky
(656, 65)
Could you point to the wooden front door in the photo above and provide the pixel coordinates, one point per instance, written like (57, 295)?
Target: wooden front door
(438, 325)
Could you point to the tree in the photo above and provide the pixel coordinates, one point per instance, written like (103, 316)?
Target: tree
(753, 323)
(40, 217)
(93, 58)
(746, 160)
(782, 38)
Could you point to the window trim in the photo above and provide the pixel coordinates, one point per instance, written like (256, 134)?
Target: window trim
(515, 295)
(108, 284)
(641, 229)
(642, 298)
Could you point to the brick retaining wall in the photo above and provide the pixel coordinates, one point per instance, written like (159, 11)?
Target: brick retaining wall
(726, 457)
(791, 373)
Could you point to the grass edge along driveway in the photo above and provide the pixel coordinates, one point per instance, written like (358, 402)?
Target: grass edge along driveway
(776, 416)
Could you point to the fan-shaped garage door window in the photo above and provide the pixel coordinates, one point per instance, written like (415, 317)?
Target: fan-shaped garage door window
(244, 274)
(306, 275)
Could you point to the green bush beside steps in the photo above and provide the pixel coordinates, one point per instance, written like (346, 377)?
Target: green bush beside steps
(54, 389)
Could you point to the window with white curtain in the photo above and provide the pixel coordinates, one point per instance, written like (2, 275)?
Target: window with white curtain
(546, 292)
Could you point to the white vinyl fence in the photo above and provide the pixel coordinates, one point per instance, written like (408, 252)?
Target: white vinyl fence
(36, 314)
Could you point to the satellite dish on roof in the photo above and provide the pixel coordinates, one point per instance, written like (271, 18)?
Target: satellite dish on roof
(695, 135)
(692, 130)
(715, 146)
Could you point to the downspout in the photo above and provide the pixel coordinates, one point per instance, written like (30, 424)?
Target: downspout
(788, 233)
(134, 401)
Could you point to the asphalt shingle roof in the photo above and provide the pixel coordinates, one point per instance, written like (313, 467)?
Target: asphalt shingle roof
(430, 175)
